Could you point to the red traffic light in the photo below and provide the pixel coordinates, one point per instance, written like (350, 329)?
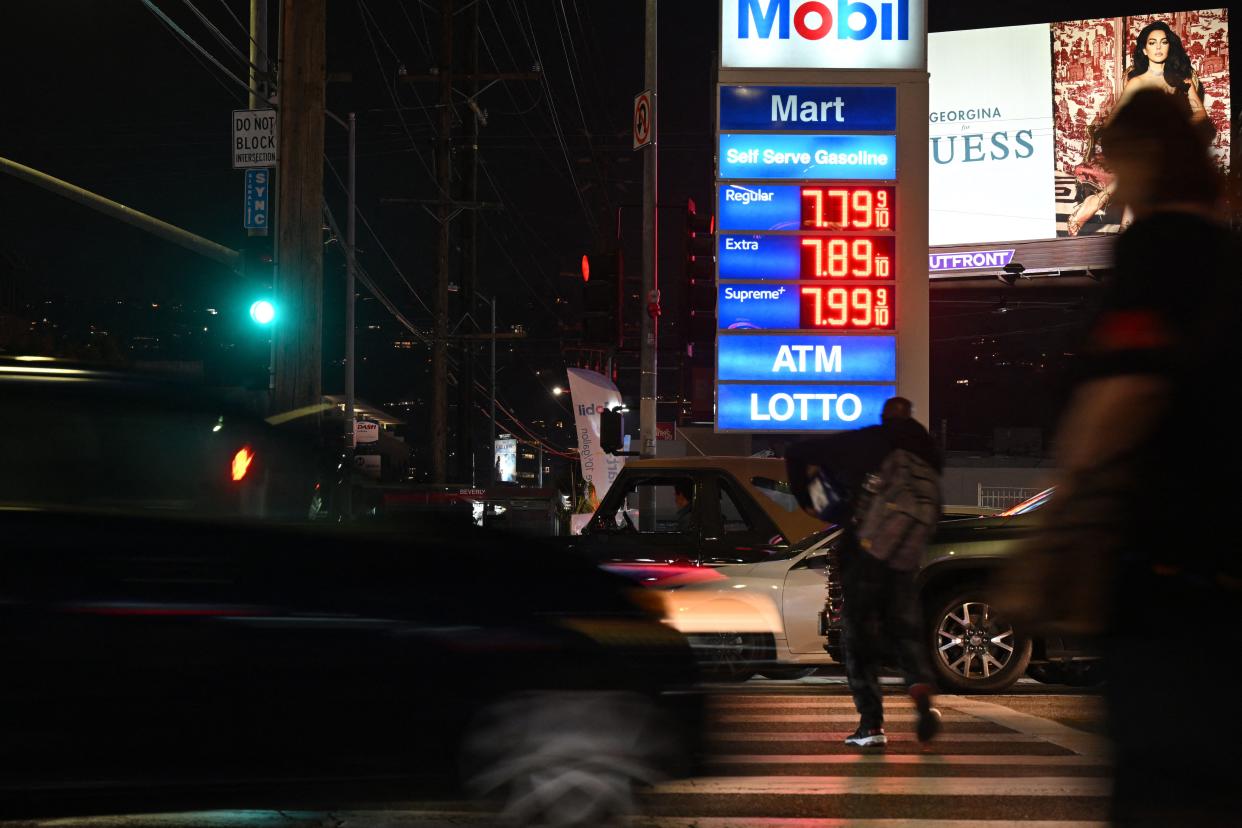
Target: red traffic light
(586, 268)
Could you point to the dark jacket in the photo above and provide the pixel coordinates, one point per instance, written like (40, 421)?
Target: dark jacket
(849, 456)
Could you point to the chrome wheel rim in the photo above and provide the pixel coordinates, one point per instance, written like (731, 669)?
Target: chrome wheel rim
(972, 643)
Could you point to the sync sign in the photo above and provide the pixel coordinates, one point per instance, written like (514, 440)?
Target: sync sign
(809, 108)
(747, 407)
(808, 157)
(822, 34)
(807, 357)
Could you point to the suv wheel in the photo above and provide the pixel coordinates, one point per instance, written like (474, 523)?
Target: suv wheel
(972, 649)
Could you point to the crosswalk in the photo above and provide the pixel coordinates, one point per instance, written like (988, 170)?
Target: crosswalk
(777, 757)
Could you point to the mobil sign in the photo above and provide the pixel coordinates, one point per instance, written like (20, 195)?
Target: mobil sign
(823, 34)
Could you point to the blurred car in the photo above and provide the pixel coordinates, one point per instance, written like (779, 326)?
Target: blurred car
(151, 652)
(173, 620)
(971, 647)
(751, 607)
(80, 437)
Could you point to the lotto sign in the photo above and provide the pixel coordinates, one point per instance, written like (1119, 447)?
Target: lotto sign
(644, 119)
(822, 34)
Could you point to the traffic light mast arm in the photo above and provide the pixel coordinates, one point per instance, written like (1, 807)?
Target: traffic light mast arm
(204, 247)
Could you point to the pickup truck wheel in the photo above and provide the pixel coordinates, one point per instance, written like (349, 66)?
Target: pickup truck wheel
(973, 650)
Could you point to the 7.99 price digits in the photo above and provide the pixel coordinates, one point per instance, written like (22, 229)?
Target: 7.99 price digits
(847, 308)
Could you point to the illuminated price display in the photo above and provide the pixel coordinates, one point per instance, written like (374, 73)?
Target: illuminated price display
(854, 307)
(848, 208)
(853, 257)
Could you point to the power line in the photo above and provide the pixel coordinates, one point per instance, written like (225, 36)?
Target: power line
(557, 128)
(378, 242)
(220, 36)
(180, 32)
(396, 102)
(246, 29)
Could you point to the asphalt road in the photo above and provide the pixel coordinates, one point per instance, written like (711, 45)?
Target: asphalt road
(776, 759)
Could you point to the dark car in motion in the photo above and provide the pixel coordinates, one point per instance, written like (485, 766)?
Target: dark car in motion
(82, 437)
(166, 651)
(172, 621)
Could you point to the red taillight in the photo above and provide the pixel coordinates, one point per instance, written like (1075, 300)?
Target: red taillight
(241, 462)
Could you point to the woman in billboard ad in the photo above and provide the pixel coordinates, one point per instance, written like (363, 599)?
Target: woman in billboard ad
(1159, 58)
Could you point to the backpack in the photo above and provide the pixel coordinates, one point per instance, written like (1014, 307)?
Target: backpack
(897, 510)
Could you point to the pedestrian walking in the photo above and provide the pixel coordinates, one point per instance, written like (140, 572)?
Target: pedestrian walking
(881, 484)
(1135, 546)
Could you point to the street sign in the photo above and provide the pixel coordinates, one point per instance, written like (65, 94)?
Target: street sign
(258, 199)
(254, 138)
(644, 119)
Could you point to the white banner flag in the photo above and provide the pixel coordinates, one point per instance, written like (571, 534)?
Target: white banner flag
(589, 393)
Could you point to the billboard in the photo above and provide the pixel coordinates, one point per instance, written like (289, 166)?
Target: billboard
(1014, 112)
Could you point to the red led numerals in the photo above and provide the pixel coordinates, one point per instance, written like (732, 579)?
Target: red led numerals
(848, 208)
(847, 308)
(846, 258)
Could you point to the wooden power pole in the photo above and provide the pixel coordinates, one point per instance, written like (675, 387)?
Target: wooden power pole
(444, 180)
(299, 224)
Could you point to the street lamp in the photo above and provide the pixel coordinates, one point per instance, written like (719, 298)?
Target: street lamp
(557, 390)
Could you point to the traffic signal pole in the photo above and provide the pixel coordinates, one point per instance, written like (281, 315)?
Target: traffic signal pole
(651, 277)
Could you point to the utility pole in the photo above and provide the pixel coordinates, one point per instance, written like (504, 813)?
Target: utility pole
(466, 460)
(444, 179)
(258, 54)
(299, 223)
(350, 292)
(651, 276)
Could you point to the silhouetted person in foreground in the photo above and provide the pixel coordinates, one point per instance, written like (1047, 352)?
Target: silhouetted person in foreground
(888, 478)
(1138, 546)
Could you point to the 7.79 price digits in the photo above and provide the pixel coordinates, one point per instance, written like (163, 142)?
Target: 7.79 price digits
(839, 207)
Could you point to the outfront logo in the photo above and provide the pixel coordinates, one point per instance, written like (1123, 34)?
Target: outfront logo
(823, 34)
(813, 20)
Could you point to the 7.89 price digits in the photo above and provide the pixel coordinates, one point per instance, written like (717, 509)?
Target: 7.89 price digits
(846, 257)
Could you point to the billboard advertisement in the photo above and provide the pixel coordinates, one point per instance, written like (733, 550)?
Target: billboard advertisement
(1014, 114)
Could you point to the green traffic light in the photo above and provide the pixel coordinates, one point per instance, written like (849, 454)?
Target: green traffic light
(263, 312)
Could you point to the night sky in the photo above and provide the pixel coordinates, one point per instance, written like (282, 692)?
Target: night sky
(103, 95)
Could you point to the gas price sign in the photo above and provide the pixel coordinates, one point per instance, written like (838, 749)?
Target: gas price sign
(806, 295)
(854, 308)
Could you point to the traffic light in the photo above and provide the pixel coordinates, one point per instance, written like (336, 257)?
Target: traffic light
(700, 268)
(611, 430)
(601, 274)
(262, 312)
(260, 277)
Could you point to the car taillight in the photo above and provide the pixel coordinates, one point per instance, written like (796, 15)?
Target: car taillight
(241, 462)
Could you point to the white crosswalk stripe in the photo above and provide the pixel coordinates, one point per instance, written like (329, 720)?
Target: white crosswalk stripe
(782, 755)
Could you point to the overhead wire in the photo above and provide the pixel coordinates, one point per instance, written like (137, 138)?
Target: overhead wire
(396, 102)
(391, 261)
(262, 47)
(559, 131)
(181, 33)
(220, 36)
